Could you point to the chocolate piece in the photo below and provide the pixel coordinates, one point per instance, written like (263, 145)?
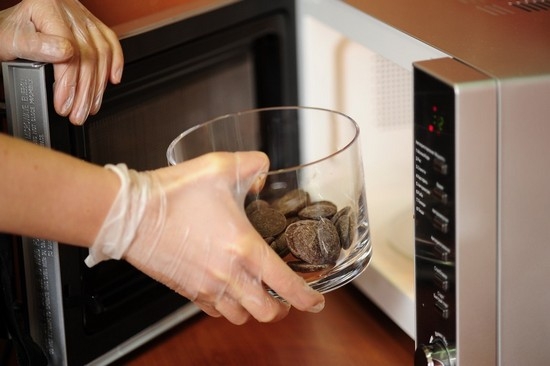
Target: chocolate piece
(256, 205)
(300, 266)
(314, 241)
(280, 246)
(317, 210)
(345, 222)
(267, 221)
(292, 202)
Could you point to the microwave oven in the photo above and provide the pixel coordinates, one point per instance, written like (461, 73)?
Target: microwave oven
(452, 98)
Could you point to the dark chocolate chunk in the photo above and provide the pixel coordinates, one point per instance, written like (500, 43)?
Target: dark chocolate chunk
(280, 246)
(256, 205)
(300, 266)
(314, 241)
(292, 202)
(345, 222)
(267, 221)
(317, 210)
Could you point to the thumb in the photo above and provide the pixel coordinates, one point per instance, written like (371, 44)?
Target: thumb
(252, 166)
(36, 46)
(45, 48)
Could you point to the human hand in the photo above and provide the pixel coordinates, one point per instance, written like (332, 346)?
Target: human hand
(86, 54)
(185, 226)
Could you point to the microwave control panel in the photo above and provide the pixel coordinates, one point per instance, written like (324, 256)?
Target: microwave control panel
(434, 180)
(456, 170)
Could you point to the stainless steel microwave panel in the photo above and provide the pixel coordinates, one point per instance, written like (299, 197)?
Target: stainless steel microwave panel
(482, 243)
(524, 217)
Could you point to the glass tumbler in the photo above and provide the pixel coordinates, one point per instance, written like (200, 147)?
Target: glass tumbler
(315, 182)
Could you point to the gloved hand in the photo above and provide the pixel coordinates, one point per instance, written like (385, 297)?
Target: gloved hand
(84, 51)
(185, 226)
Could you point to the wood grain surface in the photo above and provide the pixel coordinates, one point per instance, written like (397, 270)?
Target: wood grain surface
(349, 331)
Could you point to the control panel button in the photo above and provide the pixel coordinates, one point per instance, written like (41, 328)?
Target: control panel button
(440, 165)
(443, 308)
(441, 280)
(440, 194)
(441, 224)
(441, 252)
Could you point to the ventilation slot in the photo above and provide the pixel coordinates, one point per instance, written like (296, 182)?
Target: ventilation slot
(532, 5)
(495, 10)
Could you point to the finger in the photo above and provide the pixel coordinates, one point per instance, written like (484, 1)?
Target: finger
(226, 307)
(251, 163)
(258, 184)
(117, 56)
(103, 51)
(251, 169)
(86, 73)
(263, 306)
(208, 309)
(289, 285)
(53, 49)
(246, 287)
(84, 92)
(230, 309)
(66, 78)
(109, 47)
(32, 45)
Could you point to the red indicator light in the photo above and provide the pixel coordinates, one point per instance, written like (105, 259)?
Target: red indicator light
(434, 108)
(431, 128)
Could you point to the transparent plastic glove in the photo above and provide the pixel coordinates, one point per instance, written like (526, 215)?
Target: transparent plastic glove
(84, 51)
(185, 226)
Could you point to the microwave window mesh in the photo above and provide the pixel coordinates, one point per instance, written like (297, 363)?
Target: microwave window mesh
(139, 134)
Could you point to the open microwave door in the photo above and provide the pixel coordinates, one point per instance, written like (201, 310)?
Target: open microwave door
(71, 307)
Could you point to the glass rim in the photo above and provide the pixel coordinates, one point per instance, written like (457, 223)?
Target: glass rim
(171, 147)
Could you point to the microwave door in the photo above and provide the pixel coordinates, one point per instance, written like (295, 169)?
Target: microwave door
(28, 105)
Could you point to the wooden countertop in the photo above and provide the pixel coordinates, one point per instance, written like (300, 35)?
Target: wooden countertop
(351, 330)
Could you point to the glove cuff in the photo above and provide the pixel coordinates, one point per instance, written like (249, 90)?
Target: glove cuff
(120, 225)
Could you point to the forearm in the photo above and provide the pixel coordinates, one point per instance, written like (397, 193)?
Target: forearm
(51, 195)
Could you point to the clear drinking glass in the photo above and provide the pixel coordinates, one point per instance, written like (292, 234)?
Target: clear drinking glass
(315, 158)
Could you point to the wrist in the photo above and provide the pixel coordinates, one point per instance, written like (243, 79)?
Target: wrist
(127, 216)
(111, 239)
